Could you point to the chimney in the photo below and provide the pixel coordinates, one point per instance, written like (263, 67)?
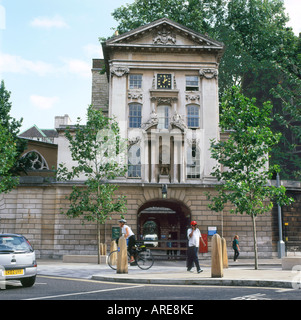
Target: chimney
(62, 121)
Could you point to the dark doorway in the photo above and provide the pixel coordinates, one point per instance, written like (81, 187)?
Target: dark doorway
(172, 219)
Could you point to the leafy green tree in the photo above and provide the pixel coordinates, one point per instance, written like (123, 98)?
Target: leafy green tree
(12, 127)
(98, 151)
(242, 168)
(195, 14)
(288, 118)
(8, 154)
(11, 147)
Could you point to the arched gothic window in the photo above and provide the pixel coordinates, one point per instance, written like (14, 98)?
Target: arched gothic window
(37, 161)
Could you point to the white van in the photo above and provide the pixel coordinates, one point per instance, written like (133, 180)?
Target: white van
(153, 238)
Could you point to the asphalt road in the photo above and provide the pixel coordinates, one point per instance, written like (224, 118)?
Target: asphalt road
(115, 294)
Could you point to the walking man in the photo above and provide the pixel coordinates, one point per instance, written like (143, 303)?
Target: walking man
(194, 235)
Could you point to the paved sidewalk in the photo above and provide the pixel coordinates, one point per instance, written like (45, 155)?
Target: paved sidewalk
(241, 273)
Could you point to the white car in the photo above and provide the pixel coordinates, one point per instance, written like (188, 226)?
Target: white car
(153, 238)
(17, 259)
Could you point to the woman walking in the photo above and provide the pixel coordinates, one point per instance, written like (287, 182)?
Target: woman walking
(235, 246)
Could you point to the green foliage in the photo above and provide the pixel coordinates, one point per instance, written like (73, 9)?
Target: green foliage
(243, 159)
(13, 127)
(11, 147)
(288, 118)
(194, 14)
(8, 153)
(99, 154)
(242, 169)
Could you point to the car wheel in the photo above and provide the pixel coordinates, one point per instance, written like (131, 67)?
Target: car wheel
(28, 282)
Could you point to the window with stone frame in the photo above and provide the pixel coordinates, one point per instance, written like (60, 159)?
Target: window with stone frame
(163, 113)
(135, 81)
(193, 162)
(134, 162)
(193, 116)
(135, 115)
(192, 83)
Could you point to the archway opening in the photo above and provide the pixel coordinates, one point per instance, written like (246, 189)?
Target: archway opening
(165, 223)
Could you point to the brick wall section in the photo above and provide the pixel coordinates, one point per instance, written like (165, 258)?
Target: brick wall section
(36, 213)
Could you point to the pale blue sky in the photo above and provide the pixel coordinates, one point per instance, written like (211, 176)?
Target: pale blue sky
(46, 51)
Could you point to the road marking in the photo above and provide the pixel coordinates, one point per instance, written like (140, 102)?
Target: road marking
(284, 290)
(82, 293)
(256, 296)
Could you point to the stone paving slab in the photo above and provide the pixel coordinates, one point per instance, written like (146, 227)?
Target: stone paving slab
(270, 273)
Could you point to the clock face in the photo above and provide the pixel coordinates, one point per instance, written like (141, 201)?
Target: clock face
(164, 81)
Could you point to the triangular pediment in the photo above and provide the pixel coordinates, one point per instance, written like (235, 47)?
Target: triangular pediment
(164, 33)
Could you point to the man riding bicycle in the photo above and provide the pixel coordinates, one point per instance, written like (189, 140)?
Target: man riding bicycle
(129, 236)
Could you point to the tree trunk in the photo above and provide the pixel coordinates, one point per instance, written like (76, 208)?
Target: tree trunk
(255, 241)
(98, 242)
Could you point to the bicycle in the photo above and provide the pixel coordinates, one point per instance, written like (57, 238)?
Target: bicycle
(143, 258)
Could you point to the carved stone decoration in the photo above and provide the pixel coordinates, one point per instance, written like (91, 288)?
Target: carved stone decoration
(164, 100)
(193, 98)
(209, 73)
(153, 121)
(135, 96)
(133, 141)
(178, 122)
(193, 141)
(119, 71)
(164, 37)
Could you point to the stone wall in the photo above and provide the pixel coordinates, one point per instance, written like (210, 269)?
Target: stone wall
(100, 86)
(35, 211)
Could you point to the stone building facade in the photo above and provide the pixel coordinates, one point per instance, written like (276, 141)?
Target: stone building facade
(160, 81)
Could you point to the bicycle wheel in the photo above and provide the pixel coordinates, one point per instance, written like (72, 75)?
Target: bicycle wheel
(145, 259)
(112, 260)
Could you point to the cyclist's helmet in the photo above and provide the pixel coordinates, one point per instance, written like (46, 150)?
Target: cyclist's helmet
(122, 220)
(193, 223)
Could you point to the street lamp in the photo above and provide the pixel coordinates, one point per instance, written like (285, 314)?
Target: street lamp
(281, 244)
(164, 191)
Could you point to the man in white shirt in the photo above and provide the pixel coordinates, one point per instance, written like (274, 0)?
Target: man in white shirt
(129, 236)
(194, 235)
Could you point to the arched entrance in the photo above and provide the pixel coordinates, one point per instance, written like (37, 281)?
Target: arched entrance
(166, 218)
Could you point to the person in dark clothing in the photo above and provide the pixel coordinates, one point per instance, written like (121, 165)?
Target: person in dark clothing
(235, 246)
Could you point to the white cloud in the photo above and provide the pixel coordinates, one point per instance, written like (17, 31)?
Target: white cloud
(16, 64)
(79, 67)
(46, 22)
(43, 103)
(93, 51)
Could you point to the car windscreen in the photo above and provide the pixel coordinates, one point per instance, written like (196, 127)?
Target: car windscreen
(14, 244)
